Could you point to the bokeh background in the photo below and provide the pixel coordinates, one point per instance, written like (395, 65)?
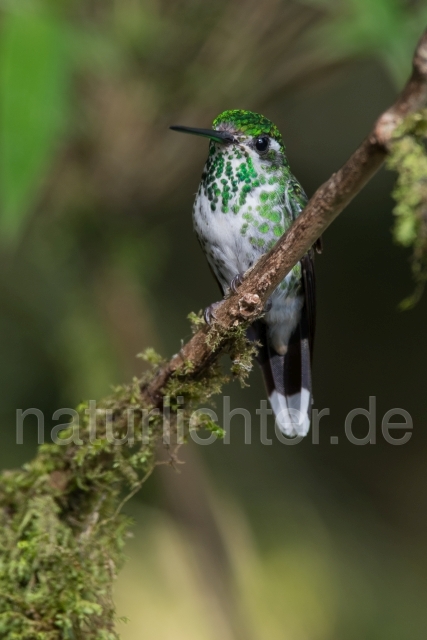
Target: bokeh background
(98, 261)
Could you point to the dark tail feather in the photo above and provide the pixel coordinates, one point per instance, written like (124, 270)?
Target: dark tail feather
(287, 378)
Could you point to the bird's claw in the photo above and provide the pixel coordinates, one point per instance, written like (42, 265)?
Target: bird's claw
(209, 312)
(236, 282)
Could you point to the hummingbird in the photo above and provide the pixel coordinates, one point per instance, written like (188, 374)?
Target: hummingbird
(247, 199)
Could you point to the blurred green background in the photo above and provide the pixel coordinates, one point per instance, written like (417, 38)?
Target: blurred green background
(98, 261)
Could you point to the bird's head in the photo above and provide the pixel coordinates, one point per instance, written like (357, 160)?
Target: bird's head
(245, 132)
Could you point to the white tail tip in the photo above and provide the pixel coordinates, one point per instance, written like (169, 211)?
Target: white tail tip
(292, 412)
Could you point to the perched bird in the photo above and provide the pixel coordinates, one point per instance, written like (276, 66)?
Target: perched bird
(246, 200)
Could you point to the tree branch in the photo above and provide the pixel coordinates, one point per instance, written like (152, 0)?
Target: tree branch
(322, 209)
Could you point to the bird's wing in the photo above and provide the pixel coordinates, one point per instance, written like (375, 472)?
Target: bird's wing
(295, 203)
(309, 287)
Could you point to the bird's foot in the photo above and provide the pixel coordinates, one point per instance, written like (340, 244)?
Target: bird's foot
(209, 312)
(236, 282)
(268, 305)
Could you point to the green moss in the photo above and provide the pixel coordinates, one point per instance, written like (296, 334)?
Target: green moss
(239, 348)
(151, 356)
(196, 321)
(408, 158)
(61, 532)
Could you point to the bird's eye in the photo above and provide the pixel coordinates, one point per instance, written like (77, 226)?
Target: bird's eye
(261, 143)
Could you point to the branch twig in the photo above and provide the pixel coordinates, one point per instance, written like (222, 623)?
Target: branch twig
(325, 205)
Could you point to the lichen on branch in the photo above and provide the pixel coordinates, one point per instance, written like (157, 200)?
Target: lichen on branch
(408, 157)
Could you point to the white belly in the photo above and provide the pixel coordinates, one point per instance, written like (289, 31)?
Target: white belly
(228, 251)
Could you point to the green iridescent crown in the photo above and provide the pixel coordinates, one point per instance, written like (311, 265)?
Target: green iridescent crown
(253, 124)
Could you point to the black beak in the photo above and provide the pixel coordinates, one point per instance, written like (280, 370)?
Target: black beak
(217, 136)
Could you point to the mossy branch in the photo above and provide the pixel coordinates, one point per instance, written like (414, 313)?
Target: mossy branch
(62, 531)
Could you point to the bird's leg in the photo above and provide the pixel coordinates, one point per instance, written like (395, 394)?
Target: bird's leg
(209, 312)
(236, 282)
